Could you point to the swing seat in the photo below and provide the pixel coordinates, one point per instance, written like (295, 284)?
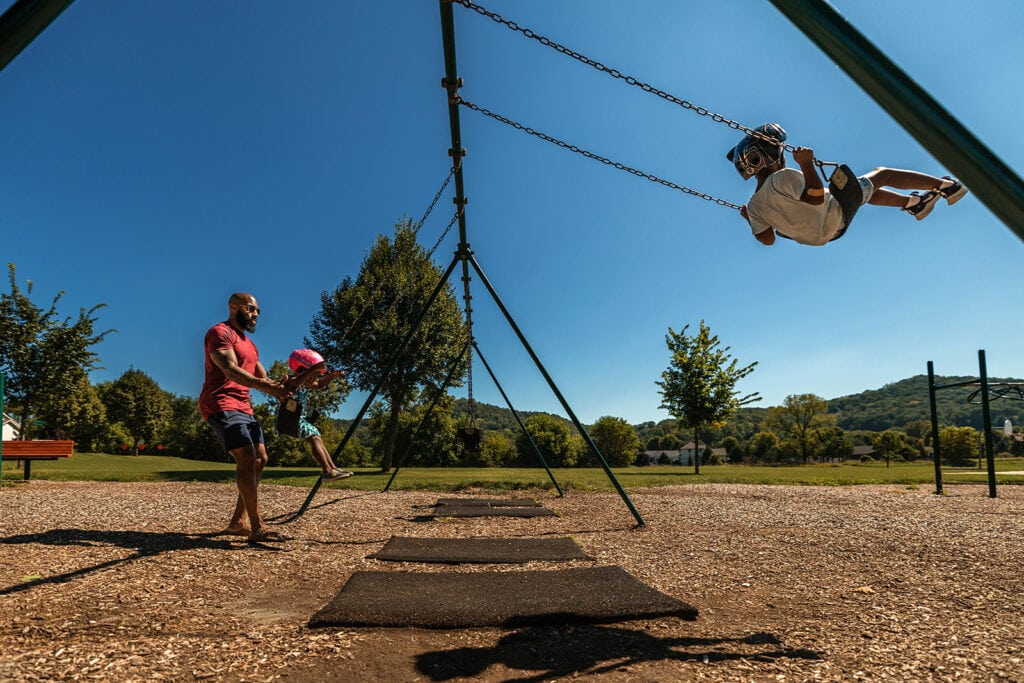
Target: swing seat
(471, 438)
(844, 186)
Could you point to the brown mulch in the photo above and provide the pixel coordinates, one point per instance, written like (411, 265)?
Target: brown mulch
(119, 582)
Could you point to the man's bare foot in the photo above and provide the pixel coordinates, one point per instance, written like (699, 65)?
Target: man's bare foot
(237, 530)
(266, 535)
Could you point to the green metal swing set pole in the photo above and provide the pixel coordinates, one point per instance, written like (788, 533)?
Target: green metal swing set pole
(991, 180)
(413, 328)
(23, 22)
(522, 426)
(558, 394)
(452, 84)
(430, 411)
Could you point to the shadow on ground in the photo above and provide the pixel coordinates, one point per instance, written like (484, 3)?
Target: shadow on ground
(144, 543)
(553, 651)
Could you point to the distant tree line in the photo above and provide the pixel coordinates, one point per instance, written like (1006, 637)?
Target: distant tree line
(46, 359)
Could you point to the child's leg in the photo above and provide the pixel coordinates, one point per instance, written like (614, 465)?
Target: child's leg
(323, 458)
(904, 180)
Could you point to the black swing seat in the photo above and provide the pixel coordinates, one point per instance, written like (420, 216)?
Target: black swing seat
(844, 186)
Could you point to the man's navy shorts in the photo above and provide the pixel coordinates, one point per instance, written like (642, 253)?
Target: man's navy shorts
(236, 429)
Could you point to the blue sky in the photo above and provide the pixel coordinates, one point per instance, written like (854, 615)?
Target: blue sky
(160, 155)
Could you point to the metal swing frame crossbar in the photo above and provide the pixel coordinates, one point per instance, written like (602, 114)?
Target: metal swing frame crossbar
(994, 183)
(986, 415)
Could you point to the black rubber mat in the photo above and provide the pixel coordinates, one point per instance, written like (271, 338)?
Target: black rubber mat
(480, 550)
(485, 511)
(507, 599)
(489, 502)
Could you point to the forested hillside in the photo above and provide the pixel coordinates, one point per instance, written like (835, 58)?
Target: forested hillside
(896, 404)
(877, 410)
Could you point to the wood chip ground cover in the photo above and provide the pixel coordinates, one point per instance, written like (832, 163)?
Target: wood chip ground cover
(128, 582)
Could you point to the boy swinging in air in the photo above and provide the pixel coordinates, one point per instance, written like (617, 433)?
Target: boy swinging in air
(795, 204)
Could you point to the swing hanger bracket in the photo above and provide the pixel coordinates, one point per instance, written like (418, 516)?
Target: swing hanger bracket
(452, 88)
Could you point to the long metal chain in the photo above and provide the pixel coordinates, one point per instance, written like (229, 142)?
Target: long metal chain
(595, 157)
(377, 288)
(615, 73)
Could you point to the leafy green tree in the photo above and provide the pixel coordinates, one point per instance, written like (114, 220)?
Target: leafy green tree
(699, 386)
(78, 415)
(364, 321)
(135, 400)
(42, 356)
(497, 450)
(894, 445)
(733, 448)
(616, 439)
(764, 447)
(554, 441)
(833, 443)
(187, 435)
(797, 418)
(958, 446)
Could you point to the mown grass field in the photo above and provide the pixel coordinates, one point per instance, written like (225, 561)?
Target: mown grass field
(102, 467)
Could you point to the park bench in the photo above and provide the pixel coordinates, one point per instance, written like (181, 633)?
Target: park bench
(36, 450)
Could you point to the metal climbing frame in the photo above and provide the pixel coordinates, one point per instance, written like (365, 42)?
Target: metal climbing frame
(984, 390)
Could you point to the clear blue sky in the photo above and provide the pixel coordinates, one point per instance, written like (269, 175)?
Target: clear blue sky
(158, 156)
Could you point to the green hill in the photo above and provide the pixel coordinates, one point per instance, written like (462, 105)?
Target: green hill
(899, 403)
(893, 405)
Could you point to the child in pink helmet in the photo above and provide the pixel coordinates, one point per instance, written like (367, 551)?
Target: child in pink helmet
(310, 373)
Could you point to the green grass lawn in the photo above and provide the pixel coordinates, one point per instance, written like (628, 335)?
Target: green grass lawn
(101, 467)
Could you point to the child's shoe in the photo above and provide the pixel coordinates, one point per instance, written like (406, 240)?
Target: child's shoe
(954, 192)
(924, 205)
(336, 474)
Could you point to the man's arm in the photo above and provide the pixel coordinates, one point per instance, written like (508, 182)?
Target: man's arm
(814, 191)
(227, 361)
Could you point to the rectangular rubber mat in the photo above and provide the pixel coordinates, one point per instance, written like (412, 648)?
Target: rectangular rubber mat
(484, 511)
(480, 550)
(489, 502)
(508, 599)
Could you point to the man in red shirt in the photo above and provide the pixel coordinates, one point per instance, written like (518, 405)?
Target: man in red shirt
(232, 368)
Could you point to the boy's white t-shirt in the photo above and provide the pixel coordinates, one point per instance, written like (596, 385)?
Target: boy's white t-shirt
(776, 204)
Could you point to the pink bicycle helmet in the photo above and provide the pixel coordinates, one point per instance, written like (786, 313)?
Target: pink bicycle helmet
(300, 359)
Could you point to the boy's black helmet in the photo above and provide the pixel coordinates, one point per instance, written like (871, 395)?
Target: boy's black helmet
(753, 154)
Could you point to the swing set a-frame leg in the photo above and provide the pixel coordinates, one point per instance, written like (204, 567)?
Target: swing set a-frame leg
(515, 414)
(433, 404)
(554, 389)
(384, 376)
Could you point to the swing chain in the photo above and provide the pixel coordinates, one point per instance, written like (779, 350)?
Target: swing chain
(437, 196)
(591, 155)
(615, 73)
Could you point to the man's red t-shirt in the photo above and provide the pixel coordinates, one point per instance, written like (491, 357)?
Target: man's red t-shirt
(219, 393)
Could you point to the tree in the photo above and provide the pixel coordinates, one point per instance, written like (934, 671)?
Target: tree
(554, 441)
(78, 415)
(733, 449)
(894, 445)
(497, 450)
(763, 447)
(363, 321)
(699, 386)
(135, 400)
(616, 439)
(797, 418)
(958, 446)
(42, 356)
(833, 443)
